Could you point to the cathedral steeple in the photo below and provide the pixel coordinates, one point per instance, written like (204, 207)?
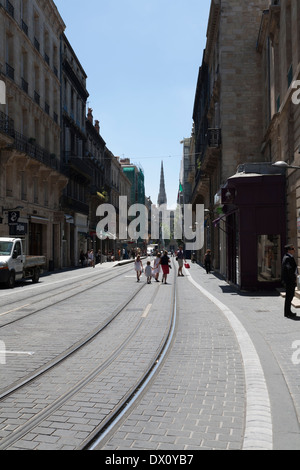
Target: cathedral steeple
(162, 197)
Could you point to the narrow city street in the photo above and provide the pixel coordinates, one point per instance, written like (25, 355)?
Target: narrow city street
(93, 359)
(157, 131)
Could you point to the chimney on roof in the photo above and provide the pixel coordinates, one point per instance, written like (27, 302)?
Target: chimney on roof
(125, 161)
(90, 115)
(97, 126)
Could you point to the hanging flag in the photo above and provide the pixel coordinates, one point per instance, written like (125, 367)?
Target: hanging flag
(180, 188)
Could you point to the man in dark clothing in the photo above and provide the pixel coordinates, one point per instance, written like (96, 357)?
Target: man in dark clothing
(180, 258)
(289, 277)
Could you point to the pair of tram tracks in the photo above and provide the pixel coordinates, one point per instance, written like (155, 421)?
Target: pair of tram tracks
(93, 281)
(113, 420)
(128, 399)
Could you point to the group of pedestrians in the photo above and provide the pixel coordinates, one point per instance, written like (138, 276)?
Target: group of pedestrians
(88, 258)
(162, 262)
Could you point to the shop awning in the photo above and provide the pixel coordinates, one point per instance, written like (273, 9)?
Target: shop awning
(38, 220)
(69, 219)
(218, 220)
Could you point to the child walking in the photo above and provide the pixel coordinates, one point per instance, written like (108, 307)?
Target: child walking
(148, 272)
(138, 266)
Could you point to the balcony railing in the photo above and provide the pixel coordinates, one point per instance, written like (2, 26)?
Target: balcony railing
(37, 97)
(6, 125)
(74, 204)
(79, 165)
(25, 145)
(10, 71)
(36, 44)
(24, 85)
(10, 9)
(24, 27)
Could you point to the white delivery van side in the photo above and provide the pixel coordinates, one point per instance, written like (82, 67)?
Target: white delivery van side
(15, 266)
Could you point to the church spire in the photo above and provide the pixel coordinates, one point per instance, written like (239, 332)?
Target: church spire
(162, 197)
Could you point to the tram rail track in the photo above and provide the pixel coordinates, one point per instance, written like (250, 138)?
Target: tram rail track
(139, 383)
(112, 421)
(92, 280)
(64, 355)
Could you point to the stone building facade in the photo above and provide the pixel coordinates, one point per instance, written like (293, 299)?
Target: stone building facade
(227, 119)
(55, 168)
(278, 47)
(30, 176)
(247, 117)
(75, 199)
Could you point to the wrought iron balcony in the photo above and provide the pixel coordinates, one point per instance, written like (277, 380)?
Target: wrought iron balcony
(10, 9)
(36, 44)
(27, 146)
(24, 27)
(37, 97)
(10, 71)
(6, 125)
(24, 85)
(78, 165)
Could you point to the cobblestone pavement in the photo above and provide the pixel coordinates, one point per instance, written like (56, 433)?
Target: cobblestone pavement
(64, 406)
(231, 380)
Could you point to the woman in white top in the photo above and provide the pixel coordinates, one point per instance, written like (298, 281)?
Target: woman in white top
(156, 267)
(138, 266)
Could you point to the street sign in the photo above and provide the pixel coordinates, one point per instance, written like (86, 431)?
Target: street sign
(19, 229)
(13, 217)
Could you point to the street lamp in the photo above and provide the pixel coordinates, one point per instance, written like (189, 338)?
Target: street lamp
(281, 164)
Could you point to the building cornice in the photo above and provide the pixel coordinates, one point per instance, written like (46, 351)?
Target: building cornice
(213, 25)
(53, 16)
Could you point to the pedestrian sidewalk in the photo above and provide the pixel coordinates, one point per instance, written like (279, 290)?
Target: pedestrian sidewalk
(277, 343)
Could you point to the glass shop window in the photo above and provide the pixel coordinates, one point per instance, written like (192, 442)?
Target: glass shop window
(269, 262)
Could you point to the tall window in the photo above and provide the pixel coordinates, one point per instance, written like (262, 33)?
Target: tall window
(23, 186)
(9, 55)
(36, 30)
(24, 70)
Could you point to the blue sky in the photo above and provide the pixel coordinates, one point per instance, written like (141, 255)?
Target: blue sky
(142, 59)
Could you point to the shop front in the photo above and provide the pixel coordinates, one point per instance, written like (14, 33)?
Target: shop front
(81, 231)
(255, 223)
